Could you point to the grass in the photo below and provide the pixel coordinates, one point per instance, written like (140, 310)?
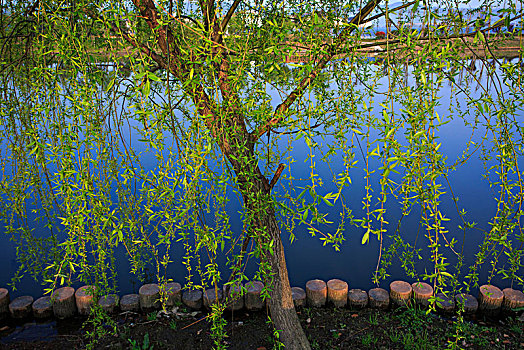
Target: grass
(408, 328)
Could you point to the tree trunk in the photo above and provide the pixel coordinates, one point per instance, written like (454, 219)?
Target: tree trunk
(281, 306)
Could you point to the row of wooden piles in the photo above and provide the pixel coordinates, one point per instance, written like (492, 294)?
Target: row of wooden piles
(66, 301)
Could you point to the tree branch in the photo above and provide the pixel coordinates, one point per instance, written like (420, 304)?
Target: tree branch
(229, 14)
(299, 90)
(277, 175)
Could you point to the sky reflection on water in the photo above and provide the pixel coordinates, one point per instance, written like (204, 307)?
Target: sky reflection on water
(355, 263)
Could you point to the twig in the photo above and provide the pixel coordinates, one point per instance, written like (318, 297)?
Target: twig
(277, 175)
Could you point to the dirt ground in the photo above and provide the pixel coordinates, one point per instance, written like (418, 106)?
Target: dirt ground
(326, 328)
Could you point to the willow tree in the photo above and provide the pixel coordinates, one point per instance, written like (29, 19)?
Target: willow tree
(193, 81)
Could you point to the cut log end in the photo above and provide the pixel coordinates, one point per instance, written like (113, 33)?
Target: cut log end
(316, 293)
(253, 299)
(212, 296)
(299, 296)
(4, 303)
(490, 299)
(445, 304)
(378, 298)
(192, 299)
(43, 307)
(357, 299)
(174, 293)
(513, 299)
(64, 305)
(149, 297)
(20, 307)
(234, 299)
(468, 301)
(337, 292)
(400, 293)
(84, 298)
(422, 292)
(109, 303)
(130, 302)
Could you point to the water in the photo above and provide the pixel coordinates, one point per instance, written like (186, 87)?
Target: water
(355, 263)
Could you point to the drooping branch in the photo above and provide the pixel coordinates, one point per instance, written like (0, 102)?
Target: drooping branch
(148, 11)
(306, 81)
(229, 14)
(160, 60)
(391, 10)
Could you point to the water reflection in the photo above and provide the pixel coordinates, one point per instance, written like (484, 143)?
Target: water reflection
(307, 257)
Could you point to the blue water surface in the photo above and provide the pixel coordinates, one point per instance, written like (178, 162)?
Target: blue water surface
(307, 257)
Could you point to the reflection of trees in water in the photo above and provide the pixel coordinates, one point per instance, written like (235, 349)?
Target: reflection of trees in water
(99, 151)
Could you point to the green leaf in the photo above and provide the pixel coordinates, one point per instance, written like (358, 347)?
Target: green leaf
(418, 134)
(480, 36)
(327, 201)
(415, 6)
(386, 116)
(153, 77)
(146, 89)
(365, 238)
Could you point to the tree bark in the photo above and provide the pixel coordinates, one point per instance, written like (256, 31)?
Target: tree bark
(257, 201)
(281, 305)
(238, 146)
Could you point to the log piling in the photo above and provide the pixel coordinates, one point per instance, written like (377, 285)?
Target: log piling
(64, 305)
(357, 299)
(378, 298)
(192, 299)
(149, 295)
(84, 298)
(337, 293)
(422, 292)
(42, 307)
(130, 302)
(316, 293)
(253, 299)
(400, 293)
(20, 307)
(490, 299)
(299, 296)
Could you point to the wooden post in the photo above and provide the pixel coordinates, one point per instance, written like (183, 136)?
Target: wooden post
(84, 297)
(130, 302)
(210, 297)
(337, 292)
(4, 303)
(470, 302)
(378, 298)
(445, 304)
(513, 299)
(421, 293)
(234, 299)
(299, 297)
(20, 307)
(490, 299)
(43, 307)
(400, 293)
(149, 297)
(316, 293)
(192, 299)
(357, 299)
(64, 305)
(252, 299)
(174, 293)
(109, 303)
